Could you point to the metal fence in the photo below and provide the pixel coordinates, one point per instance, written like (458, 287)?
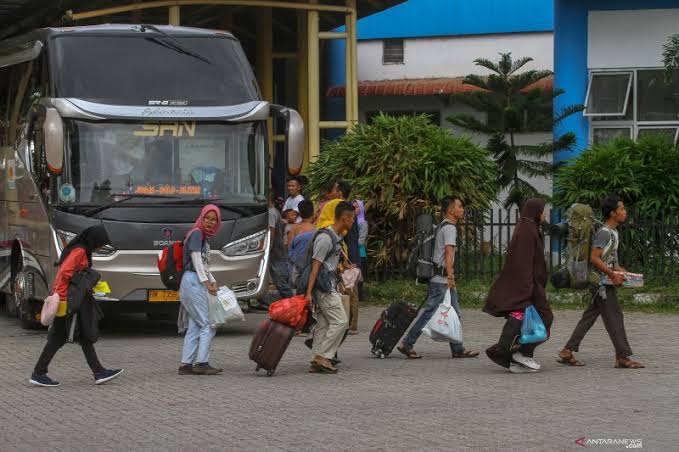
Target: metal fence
(647, 245)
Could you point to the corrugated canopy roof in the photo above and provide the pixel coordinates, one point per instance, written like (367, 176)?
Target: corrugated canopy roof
(422, 87)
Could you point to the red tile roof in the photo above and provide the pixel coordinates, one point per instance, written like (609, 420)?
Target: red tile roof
(422, 87)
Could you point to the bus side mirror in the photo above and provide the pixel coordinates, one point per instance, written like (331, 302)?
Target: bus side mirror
(53, 129)
(294, 137)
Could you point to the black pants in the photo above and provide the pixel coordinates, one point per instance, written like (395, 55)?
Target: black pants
(501, 353)
(56, 338)
(610, 312)
(362, 295)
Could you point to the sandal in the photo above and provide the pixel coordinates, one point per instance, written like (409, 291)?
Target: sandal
(466, 354)
(626, 363)
(566, 357)
(409, 352)
(317, 368)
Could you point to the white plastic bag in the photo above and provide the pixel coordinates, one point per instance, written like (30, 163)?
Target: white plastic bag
(229, 303)
(215, 312)
(224, 308)
(445, 325)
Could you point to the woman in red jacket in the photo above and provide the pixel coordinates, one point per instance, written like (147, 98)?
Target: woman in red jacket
(76, 257)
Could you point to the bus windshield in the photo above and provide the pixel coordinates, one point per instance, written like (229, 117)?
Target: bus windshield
(144, 69)
(173, 160)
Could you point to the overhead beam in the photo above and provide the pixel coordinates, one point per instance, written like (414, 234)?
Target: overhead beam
(332, 34)
(177, 3)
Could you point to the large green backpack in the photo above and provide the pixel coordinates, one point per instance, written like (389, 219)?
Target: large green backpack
(575, 274)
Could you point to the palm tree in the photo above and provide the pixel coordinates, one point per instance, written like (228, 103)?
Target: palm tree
(514, 104)
(670, 56)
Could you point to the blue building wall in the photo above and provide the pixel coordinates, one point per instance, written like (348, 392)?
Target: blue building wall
(425, 18)
(570, 58)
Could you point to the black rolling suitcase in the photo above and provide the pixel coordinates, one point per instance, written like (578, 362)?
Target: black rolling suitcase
(391, 326)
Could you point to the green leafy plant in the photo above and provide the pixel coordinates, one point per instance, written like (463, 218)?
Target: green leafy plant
(402, 167)
(514, 104)
(670, 56)
(642, 173)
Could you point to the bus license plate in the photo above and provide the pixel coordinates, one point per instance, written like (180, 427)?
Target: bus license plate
(163, 296)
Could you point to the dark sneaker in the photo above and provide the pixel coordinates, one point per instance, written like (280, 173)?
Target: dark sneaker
(186, 369)
(106, 375)
(43, 380)
(205, 369)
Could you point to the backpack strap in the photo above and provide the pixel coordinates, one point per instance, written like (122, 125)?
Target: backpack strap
(440, 226)
(609, 245)
(310, 250)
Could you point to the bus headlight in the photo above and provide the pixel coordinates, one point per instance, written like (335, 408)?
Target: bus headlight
(105, 251)
(252, 244)
(64, 237)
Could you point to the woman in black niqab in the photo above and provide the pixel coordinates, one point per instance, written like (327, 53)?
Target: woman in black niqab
(520, 284)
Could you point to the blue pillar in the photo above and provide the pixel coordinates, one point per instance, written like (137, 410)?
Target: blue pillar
(570, 69)
(336, 76)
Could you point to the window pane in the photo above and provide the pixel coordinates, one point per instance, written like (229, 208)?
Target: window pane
(657, 101)
(607, 94)
(669, 132)
(392, 51)
(601, 135)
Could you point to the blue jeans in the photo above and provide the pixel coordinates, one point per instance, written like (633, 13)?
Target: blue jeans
(280, 275)
(199, 335)
(434, 298)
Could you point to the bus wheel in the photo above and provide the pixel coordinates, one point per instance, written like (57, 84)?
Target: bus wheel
(23, 289)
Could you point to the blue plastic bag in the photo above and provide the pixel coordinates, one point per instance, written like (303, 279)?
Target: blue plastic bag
(532, 329)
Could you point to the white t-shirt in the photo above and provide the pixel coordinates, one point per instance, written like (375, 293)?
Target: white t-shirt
(293, 203)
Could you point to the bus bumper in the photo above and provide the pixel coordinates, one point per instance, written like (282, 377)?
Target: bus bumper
(135, 284)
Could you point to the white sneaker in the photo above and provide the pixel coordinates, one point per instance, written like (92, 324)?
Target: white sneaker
(525, 361)
(519, 369)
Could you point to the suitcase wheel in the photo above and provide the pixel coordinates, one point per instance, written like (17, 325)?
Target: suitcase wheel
(382, 355)
(269, 373)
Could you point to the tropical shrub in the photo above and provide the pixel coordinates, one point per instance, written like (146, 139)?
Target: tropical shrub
(402, 167)
(643, 173)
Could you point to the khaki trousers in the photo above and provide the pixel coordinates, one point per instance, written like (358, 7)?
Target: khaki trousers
(332, 322)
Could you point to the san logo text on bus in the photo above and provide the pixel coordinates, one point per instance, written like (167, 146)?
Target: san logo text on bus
(176, 129)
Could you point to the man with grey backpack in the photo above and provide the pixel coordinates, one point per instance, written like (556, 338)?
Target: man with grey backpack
(318, 282)
(443, 279)
(609, 275)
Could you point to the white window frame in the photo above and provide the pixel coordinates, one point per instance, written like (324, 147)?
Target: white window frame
(593, 74)
(611, 126)
(674, 126)
(632, 123)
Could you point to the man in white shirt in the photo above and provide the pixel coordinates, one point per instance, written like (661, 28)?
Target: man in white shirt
(291, 207)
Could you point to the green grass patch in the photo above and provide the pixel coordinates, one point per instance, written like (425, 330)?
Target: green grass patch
(652, 299)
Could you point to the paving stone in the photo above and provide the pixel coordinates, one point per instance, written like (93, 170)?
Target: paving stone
(436, 403)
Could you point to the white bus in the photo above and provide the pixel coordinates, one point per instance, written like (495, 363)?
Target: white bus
(133, 127)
